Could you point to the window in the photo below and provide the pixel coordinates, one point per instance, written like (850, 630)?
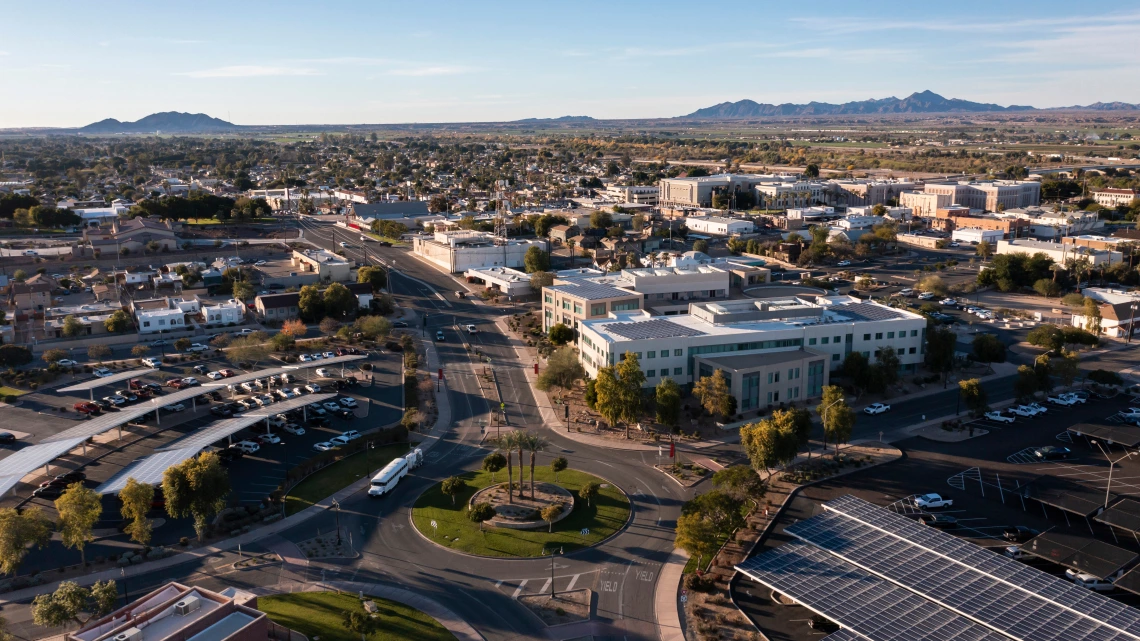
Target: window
(878, 336)
(835, 357)
(850, 338)
(890, 334)
(677, 352)
(638, 355)
(836, 340)
(625, 305)
(825, 340)
(598, 310)
(866, 337)
(866, 354)
(565, 304)
(161, 322)
(146, 323)
(676, 371)
(913, 333)
(811, 341)
(548, 298)
(650, 373)
(911, 351)
(577, 308)
(651, 354)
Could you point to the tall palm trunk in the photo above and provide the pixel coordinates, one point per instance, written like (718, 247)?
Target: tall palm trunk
(532, 457)
(522, 471)
(510, 478)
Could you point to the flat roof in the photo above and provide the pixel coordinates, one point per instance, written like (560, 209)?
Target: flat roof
(224, 628)
(1124, 514)
(1066, 495)
(589, 290)
(106, 380)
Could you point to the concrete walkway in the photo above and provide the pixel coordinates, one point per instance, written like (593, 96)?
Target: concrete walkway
(434, 609)
(666, 602)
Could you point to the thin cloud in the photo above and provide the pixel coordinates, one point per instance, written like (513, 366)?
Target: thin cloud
(4, 53)
(249, 71)
(436, 70)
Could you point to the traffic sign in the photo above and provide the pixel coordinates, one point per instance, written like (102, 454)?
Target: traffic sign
(584, 531)
(502, 406)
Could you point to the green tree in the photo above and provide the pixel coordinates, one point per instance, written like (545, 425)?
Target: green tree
(506, 442)
(136, 499)
(140, 350)
(481, 512)
(561, 334)
(855, 367)
(557, 465)
(601, 220)
(98, 352)
(1047, 288)
(563, 370)
(536, 260)
(247, 349)
(373, 327)
(973, 396)
(452, 486)
(73, 327)
(701, 246)
(541, 279)
(310, 305)
(182, 344)
(339, 301)
(329, 326)
(591, 394)
(550, 514)
(242, 290)
(494, 462)
(933, 284)
(940, 343)
(70, 601)
(887, 363)
(16, 355)
(739, 480)
(811, 171)
(376, 276)
(79, 509)
(723, 509)
(1026, 384)
(769, 443)
(984, 249)
(54, 355)
(1048, 336)
(282, 342)
(838, 419)
(589, 492)
(697, 536)
(198, 488)
(360, 622)
(1065, 366)
(712, 392)
(19, 531)
(988, 348)
(668, 395)
(1092, 317)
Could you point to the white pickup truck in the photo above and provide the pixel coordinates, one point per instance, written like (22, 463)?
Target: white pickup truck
(931, 501)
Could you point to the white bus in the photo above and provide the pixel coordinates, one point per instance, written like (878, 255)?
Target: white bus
(385, 481)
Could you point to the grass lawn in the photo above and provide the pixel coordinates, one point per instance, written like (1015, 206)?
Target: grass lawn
(340, 475)
(321, 614)
(607, 515)
(10, 391)
(396, 242)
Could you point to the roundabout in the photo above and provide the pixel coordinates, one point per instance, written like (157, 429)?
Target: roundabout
(517, 530)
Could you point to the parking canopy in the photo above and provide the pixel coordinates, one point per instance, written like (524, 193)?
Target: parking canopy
(1124, 514)
(106, 380)
(1080, 553)
(1123, 435)
(1066, 495)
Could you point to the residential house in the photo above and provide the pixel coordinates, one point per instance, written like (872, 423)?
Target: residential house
(277, 307)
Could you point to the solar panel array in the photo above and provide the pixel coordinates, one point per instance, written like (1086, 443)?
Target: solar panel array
(30, 458)
(221, 429)
(655, 328)
(9, 482)
(147, 470)
(1010, 597)
(106, 380)
(857, 600)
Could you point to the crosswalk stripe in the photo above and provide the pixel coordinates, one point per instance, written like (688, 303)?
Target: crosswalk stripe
(519, 589)
(573, 580)
(545, 587)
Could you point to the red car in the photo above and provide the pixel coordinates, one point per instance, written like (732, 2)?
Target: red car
(176, 383)
(226, 373)
(85, 407)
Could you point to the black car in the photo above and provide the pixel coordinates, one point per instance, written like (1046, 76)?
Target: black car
(345, 413)
(153, 388)
(216, 395)
(1018, 533)
(230, 454)
(349, 382)
(939, 521)
(221, 410)
(201, 369)
(1052, 453)
(51, 492)
(400, 324)
(103, 405)
(320, 421)
(234, 408)
(72, 476)
(7, 437)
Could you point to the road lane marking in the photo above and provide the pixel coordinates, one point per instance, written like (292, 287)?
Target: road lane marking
(519, 589)
(545, 587)
(573, 581)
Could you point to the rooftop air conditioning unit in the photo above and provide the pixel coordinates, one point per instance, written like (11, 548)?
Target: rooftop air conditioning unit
(187, 605)
(130, 634)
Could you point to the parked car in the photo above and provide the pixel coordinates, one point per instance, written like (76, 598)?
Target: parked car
(338, 441)
(323, 372)
(316, 410)
(439, 335)
(1037, 407)
(843, 263)
(876, 408)
(213, 376)
(176, 407)
(268, 439)
(318, 421)
(102, 372)
(85, 407)
(1076, 398)
(344, 413)
(351, 435)
(1024, 411)
(221, 410)
(246, 447)
(400, 324)
(284, 393)
(152, 362)
(328, 355)
(104, 405)
(50, 493)
(190, 381)
(226, 373)
(932, 501)
(999, 417)
(1089, 581)
(313, 388)
(196, 348)
(248, 386)
(1052, 453)
(471, 329)
(1061, 400)
(294, 429)
(1018, 533)
(126, 395)
(115, 400)
(347, 401)
(324, 446)
(330, 406)
(926, 296)
(305, 358)
(159, 343)
(7, 438)
(200, 369)
(940, 521)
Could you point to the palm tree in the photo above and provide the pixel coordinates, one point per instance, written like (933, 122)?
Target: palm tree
(507, 443)
(534, 444)
(571, 243)
(519, 440)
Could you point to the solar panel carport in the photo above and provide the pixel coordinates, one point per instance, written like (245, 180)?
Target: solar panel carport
(1066, 496)
(1080, 553)
(1124, 514)
(97, 382)
(1123, 435)
(972, 585)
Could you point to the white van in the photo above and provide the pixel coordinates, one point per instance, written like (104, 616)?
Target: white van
(386, 480)
(415, 458)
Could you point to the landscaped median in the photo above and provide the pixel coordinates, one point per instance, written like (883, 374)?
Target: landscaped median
(323, 615)
(589, 522)
(340, 474)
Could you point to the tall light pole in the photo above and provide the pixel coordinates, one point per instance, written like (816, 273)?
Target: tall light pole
(336, 506)
(1131, 321)
(1111, 464)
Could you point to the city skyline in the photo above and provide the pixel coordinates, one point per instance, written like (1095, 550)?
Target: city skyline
(363, 64)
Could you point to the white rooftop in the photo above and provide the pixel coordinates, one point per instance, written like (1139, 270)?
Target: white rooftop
(1111, 296)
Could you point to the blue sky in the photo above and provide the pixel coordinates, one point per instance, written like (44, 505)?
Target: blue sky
(68, 64)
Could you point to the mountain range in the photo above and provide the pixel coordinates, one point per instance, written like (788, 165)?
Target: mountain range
(166, 122)
(922, 102)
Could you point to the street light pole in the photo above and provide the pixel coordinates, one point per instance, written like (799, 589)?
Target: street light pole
(336, 506)
(1131, 320)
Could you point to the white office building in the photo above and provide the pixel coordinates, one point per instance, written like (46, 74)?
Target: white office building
(458, 251)
(975, 235)
(1061, 253)
(771, 350)
(719, 225)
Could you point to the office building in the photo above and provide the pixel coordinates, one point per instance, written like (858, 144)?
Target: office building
(1061, 253)
(504, 280)
(749, 339)
(925, 204)
(635, 194)
(1113, 198)
(458, 251)
(697, 192)
(719, 225)
(853, 193)
(1046, 224)
(994, 195)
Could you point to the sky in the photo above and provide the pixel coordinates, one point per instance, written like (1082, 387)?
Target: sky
(66, 64)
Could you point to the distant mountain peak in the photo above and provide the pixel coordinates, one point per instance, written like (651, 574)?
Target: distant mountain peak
(925, 101)
(165, 122)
